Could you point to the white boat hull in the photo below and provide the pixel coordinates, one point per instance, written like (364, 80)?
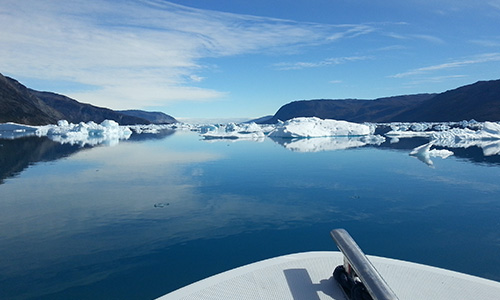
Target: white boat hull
(308, 276)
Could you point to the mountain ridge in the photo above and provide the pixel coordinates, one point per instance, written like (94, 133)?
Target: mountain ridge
(479, 101)
(20, 104)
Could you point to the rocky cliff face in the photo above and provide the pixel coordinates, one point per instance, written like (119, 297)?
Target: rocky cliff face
(20, 104)
(353, 110)
(479, 101)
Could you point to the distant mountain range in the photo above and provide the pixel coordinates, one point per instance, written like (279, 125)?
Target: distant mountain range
(20, 104)
(479, 101)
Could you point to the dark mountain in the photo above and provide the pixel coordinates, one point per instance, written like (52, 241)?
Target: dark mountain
(76, 112)
(20, 104)
(479, 101)
(261, 120)
(18, 154)
(154, 117)
(353, 110)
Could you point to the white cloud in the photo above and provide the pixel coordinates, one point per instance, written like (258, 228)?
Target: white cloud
(435, 79)
(138, 53)
(196, 78)
(490, 42)
(327, 62)
(351, 31)
(425, 37)
(483, 58)
(495, 4)
(335, 81)
(428, 38)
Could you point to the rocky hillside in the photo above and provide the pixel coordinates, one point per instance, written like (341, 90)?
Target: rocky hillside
(353, 110)
(20, 104)
(479, 101)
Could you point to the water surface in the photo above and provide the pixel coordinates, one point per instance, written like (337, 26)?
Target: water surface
(157, 212)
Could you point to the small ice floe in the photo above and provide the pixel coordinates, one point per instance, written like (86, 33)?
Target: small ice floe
(151, 128)
(328, 143)
(427, 129)
(107, 132)
(487, 138)
(247, 131)
(13, 130)
(316, 127)
(424, 153)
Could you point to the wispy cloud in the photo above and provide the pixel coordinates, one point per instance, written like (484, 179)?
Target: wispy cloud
(428, 38)
(351, 31)
(335, 81)
(487, 42)
(479, 59)
(327, 62)
(495, 4)
(140, 53)
(424, 37)
(435, 79)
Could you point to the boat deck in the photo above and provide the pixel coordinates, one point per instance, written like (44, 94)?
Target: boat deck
(308, 276)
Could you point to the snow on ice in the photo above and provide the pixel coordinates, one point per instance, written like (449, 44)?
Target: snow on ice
(299, 134)
(316, 127)
(424, 153)
(108, 132)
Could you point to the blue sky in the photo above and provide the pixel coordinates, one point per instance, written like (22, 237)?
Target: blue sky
(244, 59)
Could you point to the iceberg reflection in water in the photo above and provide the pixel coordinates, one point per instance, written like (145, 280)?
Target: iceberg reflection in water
(334, 134)
(162, 209)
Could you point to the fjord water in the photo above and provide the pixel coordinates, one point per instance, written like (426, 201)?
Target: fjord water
(156, 212)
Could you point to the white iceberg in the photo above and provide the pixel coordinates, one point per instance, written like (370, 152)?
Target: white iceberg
(487, 138)
(13, 130)
(463, 134)
(424, 153)
(249, 131)
(316, 127)
(328, 143)
(108, 132)
(488, 131)
(395, 134)
(154, 128)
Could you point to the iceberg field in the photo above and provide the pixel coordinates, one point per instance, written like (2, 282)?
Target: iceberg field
(299, 134)
(465, 134)
(108, 132)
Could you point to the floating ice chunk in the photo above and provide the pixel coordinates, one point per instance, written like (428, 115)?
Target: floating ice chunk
(492, 129)
(441, 127)
(328, 143)
(492, 148)
(420, 126)
(487, 138)
(316, 127)
(424, 153)
(108, 132)
(250, 131)
(409, 134)
(13, 130)
(155, 128)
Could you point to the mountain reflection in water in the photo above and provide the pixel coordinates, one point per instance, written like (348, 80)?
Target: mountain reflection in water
(156, 212)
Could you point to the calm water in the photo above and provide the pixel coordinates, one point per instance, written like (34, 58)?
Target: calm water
(154, 213)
